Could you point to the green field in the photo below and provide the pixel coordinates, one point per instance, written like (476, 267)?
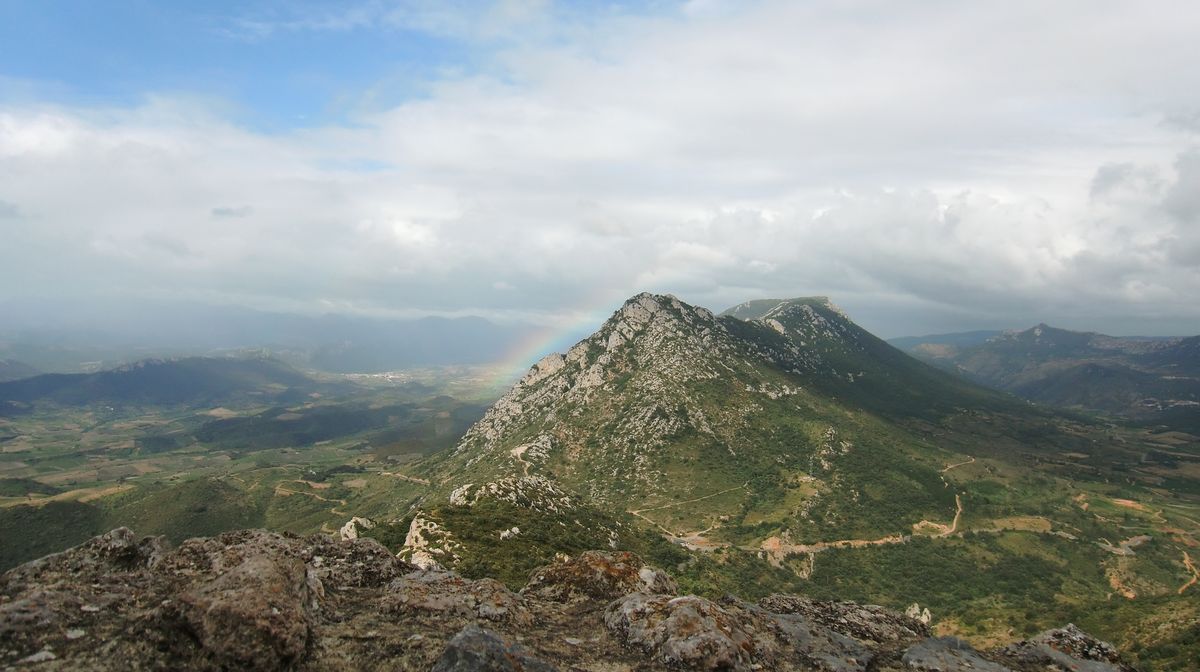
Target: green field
(70, 472)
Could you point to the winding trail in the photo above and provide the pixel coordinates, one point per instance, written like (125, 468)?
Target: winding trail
(518, 454)
(776, 549)
(405, 477)
(957, 516)
(958, 464)
(279, 489)
(1187, 562)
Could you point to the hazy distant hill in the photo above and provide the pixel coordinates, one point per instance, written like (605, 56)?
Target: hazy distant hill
(190, 380)
(387, 346)
(13, 370)
(1148, 379)
(960, 339)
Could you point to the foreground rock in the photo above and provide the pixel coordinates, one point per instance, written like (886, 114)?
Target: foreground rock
(254, 600)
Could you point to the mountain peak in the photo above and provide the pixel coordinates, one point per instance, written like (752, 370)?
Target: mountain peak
(639, 309)
(763, 308)
(657, 315)
(1044, 335)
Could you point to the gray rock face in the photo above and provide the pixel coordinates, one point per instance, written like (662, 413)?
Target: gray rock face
(821, 647)
(948, 654)
(862, 621)
(474, 649)
(253, 600)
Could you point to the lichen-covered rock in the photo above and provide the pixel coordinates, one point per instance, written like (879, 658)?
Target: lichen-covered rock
(355, 563)
(598, 575)
(253, 616)
(688, 631)
(474, 649)
(948, 654)
(117, 550)
(445, 594)
(1068, 648)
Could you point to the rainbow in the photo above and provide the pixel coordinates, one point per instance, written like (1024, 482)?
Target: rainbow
(554, 337)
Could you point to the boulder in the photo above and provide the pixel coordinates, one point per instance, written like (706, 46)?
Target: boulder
(1067, 648)
(861, 621)
(474, 649)
(445, 594)
(358, 563)
(119, 550)
(598, 575)
(688, 631)
(253, 616)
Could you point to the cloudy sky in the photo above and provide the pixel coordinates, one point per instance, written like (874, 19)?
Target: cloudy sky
(931, 166)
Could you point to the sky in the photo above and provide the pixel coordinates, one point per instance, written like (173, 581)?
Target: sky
(931, 166)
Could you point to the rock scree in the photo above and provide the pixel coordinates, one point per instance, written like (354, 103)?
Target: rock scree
(255, 600)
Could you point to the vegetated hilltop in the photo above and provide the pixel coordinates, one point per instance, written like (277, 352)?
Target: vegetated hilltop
(1154, 380)
(259, 601)
(781, 445)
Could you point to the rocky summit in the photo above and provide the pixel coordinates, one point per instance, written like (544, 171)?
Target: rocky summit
(254, 600)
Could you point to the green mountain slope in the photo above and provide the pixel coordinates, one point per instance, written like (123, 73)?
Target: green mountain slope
(785, 416)
(782, 447)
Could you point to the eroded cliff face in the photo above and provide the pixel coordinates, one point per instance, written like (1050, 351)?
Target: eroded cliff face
(262, 601)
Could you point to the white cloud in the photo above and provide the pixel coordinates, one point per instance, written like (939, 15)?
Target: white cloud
(929, 166)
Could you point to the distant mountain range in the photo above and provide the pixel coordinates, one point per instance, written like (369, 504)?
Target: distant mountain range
(85, 339)
(189, 380)
(1146, 379)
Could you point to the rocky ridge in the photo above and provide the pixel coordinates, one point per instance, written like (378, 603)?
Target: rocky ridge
(254, 600)
(654, 356)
